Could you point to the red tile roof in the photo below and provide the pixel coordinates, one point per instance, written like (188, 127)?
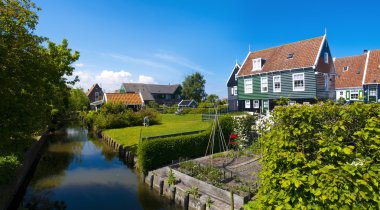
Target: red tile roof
(353, 77)
(125, 98)
(276, 59)
(373, 68)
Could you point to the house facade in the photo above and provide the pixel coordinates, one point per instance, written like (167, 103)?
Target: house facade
(301, 71)
(349, 78)
(232, 89)
(358, 77)
(95, 94)
(161, 94)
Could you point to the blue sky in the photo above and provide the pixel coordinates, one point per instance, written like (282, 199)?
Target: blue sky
(163, 41)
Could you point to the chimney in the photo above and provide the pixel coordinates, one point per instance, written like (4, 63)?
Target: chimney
(365, 51)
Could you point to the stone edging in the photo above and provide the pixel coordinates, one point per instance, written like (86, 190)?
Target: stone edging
(10, 195)
(124, 152)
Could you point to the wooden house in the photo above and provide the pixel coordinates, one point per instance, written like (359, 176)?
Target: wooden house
(300, 71)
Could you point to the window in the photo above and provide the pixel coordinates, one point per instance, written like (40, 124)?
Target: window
(265, 104)
(327, 80)
(292, 102)
(372, 92)
(354, 95)
(277, 84)
(96, 96)
(236, 77)
(256, 104)
(256, 64)
(264, 84)
(235, 90)
(247, 104)
(248, 86)
(326, 57)
(341, 93)
(232, 91)
(290, 55)
(345, 68)
(298, 82)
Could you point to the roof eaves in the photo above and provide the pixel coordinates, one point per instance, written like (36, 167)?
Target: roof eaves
(365, 68)
(236, 65)
(319, 52)
(249, 53)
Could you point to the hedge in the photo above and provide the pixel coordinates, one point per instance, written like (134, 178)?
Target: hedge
(325, 156)
(156, 153)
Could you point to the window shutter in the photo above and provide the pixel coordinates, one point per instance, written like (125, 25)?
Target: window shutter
(347, 95)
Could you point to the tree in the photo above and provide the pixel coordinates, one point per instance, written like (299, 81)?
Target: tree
(78, 100)
(193, 87)
(212, 98)
(33, 72)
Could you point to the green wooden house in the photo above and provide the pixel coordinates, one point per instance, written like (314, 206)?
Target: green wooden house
(301, 71)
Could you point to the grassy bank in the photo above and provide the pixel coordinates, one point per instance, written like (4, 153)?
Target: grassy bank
(170, 124)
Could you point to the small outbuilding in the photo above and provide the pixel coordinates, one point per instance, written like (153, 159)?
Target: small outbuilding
(188, 103)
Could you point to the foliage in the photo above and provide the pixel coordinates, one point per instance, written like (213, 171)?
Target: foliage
(243, 128)
(320, 157)
(153, 104)
(212, 98)
(193, 87)
(116, 115)
(282, 101)
(341, 100)
(8, 166)
(33, 72)
(78, 100)
(209, 202)
(171, 178)
(194, 191)
(205, 173)
(155, 153)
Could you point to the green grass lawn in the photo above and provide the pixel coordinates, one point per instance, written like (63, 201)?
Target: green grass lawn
(170, 124)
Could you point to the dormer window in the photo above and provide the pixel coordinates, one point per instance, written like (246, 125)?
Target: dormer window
(345, 68)
(358, 71)
(256, 64)
(290, 55)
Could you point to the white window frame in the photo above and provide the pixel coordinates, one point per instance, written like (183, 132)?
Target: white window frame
(326, 57)
(341, 93)
(354, 92)
(276, 90)
(232, 91)
(256, 64)
(264, 85)
(371, 93)
(248, 88)
(256, 104)
(299, 88)
(235, 90)
(247, 104)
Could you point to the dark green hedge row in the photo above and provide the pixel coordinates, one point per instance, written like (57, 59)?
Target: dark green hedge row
(156, 153)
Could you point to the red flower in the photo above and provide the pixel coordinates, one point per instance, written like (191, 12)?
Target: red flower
(233, 136)
(232, 142)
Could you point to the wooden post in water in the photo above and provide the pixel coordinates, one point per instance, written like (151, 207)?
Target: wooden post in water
(186, 201)
(173, 191)
(232, 200)
(161, 187)
(151, 181)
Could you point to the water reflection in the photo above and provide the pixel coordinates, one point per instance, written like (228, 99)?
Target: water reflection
(77, 171)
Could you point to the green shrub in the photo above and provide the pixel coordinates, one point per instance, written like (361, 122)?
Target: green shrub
(324, 156)
(8, 166)
(156, 153)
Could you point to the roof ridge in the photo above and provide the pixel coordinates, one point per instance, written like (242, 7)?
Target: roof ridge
(278, 46)
(351, 56)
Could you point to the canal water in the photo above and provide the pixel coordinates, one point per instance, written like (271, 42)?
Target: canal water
(79, 171)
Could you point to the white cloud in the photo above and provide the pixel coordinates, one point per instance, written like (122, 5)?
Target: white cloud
(109, 80)
(146, 79)
(79, 65)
